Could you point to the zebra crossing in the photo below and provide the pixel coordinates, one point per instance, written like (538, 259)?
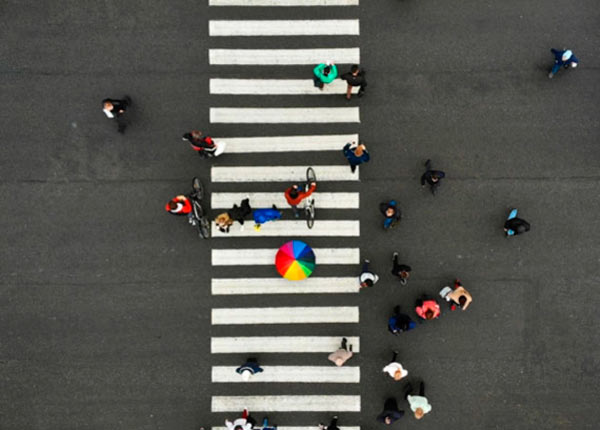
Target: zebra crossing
(263, 183)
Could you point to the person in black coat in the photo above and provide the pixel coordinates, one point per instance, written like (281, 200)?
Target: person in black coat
(355, 78)
(390, 413)
(239, 213)
(432, 177)
(115, 109)
(400, 322)
(514, 226)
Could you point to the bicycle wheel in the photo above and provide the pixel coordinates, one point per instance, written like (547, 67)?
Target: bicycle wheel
(310, 175)
(198, 188)
(204, 228)
(310, 214)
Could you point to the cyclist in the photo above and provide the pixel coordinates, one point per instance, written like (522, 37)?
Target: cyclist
(180, 205)
(294, 196)
(203, 145)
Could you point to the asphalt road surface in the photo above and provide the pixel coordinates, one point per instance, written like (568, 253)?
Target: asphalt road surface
(105, 304)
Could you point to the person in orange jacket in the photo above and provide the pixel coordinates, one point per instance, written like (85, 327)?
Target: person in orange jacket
(294, 196)
(428, 308)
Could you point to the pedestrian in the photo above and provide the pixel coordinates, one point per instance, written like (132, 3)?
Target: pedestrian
(402, 271)
(239, 213)
(115, 109)
(457, 297)
(265, 424)
(355, 78)
(395, 369)
(249, 368)
(564, 58)
(324, 73)
(223, 222)
(367, 278)
(391, 212)
(203, 145)
(432, 177)
(246, 422)
(427, 308)
(514, 226)
(418, 404)
(400, 322)
(262, 216)
(332, 424)
(343, 354)
(390, 412)
(356, 154)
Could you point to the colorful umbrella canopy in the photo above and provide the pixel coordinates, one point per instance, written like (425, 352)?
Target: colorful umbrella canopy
(295, 260)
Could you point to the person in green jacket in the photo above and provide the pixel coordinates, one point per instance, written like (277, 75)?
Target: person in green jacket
(324, 73)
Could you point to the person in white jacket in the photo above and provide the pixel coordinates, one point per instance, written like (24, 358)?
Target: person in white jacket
(244, 423)
(395, 369)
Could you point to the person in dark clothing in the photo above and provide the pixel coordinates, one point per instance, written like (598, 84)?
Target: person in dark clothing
(239, 213)
(391, 212)
(355, 78)
(332, 424)
(432, 177)
(514, 226)
(115, 109)
(402, 271)
(355, 154)
(400, 322)
(249, 368)
(390, 412)
(564, 58)
(203, 145)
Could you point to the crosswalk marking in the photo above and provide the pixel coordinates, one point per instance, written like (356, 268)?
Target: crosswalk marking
(309, 27)
(285, 315)
(318, 374)
(257, 200)
(280, 344)
(296, 228)
(302, 403)
(280, 173)
(266, 256)
(263, 87)
(284, 115)
(332, 142)
(283, 2)
(312, 285)
(283, 57)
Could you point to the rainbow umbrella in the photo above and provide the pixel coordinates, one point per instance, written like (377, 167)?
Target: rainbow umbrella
(295, 260)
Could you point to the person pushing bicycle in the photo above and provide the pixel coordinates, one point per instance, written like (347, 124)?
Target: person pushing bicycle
(296, 193)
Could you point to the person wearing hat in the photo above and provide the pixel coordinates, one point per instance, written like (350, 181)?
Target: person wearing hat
(564, 58)
(514, 225)
(395, 369)
(249, 368)
(432, 177)
(367, 278)
(246, 422)
(324, 73)
(342, 355)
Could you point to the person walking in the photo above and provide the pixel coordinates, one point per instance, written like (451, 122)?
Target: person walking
(390, 413)
(432, 177)
(418, 404)
(343, 354)
(367, 278)
(514, 226)
(223, 222)
(427, 308)
(356, 154)
(324, 73)
(355, 78)
(239, 213)
(395, 369)
(332, 424)
(402, 271)
(295, 194)
(246, 422)
(457, 297)
(400, 322)
(115, 109)
(262, 216)
(203, 145)
(564, 58)
(249, 368)
(391, 212)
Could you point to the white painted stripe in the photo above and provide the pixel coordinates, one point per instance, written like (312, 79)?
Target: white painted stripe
(295, 228)
(311, 427)
(280, 344)
(266, 256)
(283, 3)
(297, 27)
(333, 142)
(283, 57)
(263, 87)
(258, 200)
(285, 315)
(321, 374)
(319, 285)
(280, 173)
(284, 115)
(300, 403)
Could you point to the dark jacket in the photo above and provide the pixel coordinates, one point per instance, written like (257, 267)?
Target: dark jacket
(118, 106)
(251, 366)
(383, 207)
(428, 175)
(399, 323)
(517, 225)
(355, 81)
(390, 409)
(239, 213)
(352, 158)
(558, 58)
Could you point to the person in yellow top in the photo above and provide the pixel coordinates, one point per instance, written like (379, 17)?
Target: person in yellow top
(324, 73)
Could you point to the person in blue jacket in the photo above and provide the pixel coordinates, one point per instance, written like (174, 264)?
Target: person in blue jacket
(564, 59)
(356, 154)
(262, 216)
(249, 368)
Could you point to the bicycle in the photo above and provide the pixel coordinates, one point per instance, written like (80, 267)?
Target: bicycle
(309, 204)
(198, 218)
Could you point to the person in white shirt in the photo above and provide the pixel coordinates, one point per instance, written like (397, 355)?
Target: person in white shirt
(395, 369)
(367, 278)
(244, 423)
(115, 109)
(418, 404)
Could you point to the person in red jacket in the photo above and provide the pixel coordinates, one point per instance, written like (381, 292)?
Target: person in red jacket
(294, 196)
(180, 205)
(427, 308)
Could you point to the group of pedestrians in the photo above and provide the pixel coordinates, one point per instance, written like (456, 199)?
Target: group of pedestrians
(326, 73)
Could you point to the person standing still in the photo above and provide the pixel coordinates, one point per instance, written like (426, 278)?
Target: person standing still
(355, 78)
(418, 404)
(395, 369)
(367, 278)
(115, 109)
(564, 58)
(432, 177)
(342, 355)
(390, 413)
(402, 271)
(324, 74)
(355, 154)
